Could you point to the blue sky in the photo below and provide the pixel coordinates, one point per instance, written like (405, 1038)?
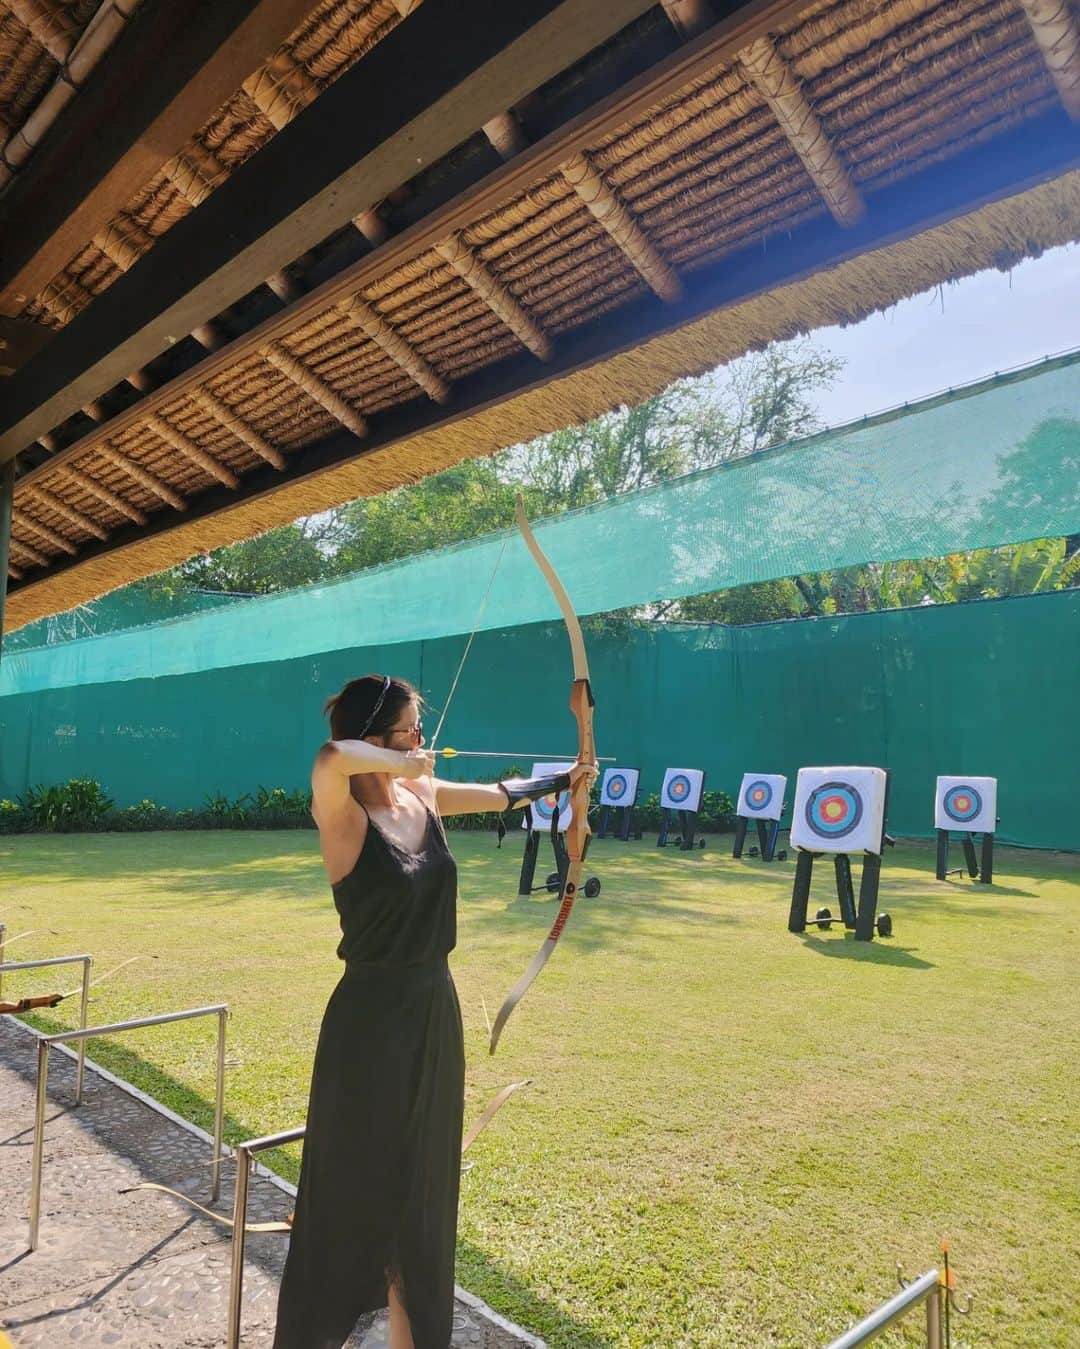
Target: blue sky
(987, 322)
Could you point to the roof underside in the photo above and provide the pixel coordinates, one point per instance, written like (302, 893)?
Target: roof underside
(608, 197)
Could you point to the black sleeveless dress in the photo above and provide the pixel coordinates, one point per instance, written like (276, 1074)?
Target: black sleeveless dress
(378, 1194)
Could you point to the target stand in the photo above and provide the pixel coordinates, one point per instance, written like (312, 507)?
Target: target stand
(761, 802)
(966, 806)
(618, 797)
(680, 800)
(838, 812)
(551, 815)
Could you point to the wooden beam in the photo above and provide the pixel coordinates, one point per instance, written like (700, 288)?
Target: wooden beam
(142, 476)
(232, 421)
(479, 277)
(316, 389)
(69, 513)
(1025, 157)
(185, 446)
(103, 493)
(27, 522)
(608, 208)
(362, 138)
(166, 75)
(7, 566)
(372, 324)
(775, 81)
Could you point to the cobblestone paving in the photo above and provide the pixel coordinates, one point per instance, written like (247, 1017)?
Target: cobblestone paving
(139, 1269)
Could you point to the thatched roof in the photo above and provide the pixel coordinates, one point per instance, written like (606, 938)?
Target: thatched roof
(782, 171)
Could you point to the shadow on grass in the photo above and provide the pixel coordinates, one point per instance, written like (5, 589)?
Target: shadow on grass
(876, 953)
(490, 1280)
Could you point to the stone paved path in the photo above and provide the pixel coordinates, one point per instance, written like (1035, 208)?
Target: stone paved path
(141, 1270)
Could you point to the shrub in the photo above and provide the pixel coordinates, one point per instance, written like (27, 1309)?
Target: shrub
(221, 813)
(77, 804)
(13, 819)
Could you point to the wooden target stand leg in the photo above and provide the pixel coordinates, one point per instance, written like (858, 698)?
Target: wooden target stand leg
(625, 822)
(979, 868)
(768, 833)
(741, 822)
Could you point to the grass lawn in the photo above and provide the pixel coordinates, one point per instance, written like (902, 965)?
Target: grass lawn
(732, 1134)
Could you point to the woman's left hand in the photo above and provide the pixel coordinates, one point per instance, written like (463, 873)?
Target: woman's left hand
(591, 771)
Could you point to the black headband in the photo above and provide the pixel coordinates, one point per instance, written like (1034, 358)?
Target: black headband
(375, 710)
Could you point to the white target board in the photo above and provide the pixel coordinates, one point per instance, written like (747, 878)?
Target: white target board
(761, 796)
(839, 810)
(619, 787)
(966, 804)
(682, 788)
(545, 808)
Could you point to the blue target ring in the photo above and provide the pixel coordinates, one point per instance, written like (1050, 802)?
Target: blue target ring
(834, 810)
(758, 795)
(549, 806)
(679, 787)
(617, 786)
(962, 803)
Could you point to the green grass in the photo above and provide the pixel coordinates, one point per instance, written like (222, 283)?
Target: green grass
(732, 1133)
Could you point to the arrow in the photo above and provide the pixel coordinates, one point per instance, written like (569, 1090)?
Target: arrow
(509, 754)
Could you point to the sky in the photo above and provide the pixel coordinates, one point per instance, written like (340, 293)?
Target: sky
(967, 331)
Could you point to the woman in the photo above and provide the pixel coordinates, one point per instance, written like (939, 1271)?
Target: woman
(376, 1209)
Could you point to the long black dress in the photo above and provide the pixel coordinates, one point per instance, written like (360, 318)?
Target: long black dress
(378, 1194)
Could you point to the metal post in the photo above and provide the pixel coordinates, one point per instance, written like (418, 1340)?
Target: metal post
(923, 1288)
(219, 1104)
(239, 1234)
(933, 1319)
(3, 941)
(244, 1154)
(39, 1140)
(219, 1010)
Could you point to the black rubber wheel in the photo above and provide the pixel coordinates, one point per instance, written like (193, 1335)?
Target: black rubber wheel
(554, 882)
(592, 887)
(823, 918)
(884, 925)
(781, 856)
(701, 843)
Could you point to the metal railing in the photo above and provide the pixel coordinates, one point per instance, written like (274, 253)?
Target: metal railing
(927, 1288)
(244, 1154)
(84, 1000)
(45, 1043)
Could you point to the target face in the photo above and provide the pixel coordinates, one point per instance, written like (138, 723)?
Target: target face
(968, 804)
(682, 788)
(839, 810)
(761, 796)
(834, 810)
(619, 787)
(543, 810)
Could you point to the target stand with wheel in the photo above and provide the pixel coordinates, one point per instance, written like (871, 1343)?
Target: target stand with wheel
(761, 802)
(966, 806)
(839, 812)
(550, 815)
(618, 797)
(680, 801)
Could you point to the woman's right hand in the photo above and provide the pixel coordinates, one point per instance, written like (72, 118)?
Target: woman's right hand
(417, 763)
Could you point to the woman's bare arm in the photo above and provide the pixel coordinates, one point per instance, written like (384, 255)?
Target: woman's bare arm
(339, 760)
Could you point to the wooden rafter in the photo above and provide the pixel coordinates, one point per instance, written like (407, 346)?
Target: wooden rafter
(1057, 31)
(232, 421)
(372, 324)
(99, 490)
(30, 552)
(14, 572)
(776, 82)
(280, 89)
(505, 134)
(142, 476)
(688, 17)
(356, 143)
(314, 387)
(190, 450)
(174, 79)
(51, 24)
(27, 522)
(612, 213)
(73, 516)
(480, 278)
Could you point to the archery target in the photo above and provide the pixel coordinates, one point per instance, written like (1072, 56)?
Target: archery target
(545, 808)
(682, 788)
(761, 796)
(619, 787)
(839, 810)
(966, 804)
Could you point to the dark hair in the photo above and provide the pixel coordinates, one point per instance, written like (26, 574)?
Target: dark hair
(369, 705)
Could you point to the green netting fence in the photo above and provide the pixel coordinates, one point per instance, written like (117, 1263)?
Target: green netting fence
(981, 688)
(996, 463)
